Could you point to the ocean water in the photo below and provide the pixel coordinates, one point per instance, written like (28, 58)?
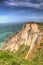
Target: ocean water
(8, 30)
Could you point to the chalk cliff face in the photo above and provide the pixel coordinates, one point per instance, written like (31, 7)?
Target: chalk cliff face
(30, 35)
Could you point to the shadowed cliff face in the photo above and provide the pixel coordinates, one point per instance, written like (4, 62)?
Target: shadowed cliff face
(29, 35)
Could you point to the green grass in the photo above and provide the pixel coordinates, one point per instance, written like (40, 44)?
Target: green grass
(10, 58)
(38, 57)
(23, 50)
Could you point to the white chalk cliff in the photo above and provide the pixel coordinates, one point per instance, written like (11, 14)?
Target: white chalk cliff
(30, 35)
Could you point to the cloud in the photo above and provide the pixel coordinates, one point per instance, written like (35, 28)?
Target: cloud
(25, 3)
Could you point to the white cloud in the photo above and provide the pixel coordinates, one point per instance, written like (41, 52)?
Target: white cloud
(25, 4)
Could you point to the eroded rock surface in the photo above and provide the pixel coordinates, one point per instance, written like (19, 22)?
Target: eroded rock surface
(29, 35)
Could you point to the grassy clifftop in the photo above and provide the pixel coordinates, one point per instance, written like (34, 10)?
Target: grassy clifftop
(10, 58)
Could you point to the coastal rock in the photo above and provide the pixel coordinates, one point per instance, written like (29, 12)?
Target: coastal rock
(30, 35)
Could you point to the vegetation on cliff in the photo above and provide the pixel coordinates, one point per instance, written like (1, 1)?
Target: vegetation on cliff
(10, 58)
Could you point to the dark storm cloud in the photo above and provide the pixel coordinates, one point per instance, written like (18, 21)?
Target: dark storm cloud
(26, 3)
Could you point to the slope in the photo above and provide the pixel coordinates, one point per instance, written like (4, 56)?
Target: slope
(10, 58)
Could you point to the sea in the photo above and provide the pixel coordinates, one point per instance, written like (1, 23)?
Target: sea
(7, 30)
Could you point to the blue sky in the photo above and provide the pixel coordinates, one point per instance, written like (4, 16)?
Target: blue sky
(17, 11)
